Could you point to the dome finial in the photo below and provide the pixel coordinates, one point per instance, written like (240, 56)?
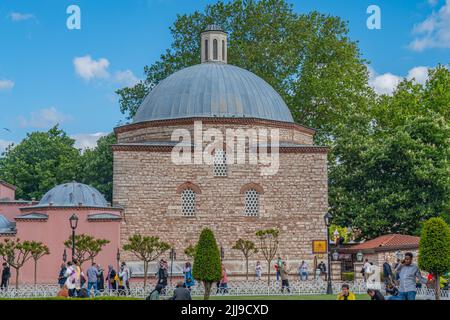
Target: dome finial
(214, 44)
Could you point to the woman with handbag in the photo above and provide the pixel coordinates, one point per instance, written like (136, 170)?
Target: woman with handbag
(188, 279)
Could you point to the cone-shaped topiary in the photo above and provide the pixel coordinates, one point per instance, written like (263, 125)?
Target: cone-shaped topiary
(434, 249)
(207, 264)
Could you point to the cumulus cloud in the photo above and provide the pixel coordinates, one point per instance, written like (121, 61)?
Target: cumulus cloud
(387, 83)
(87, 140)
(17, 16)
(6, 84)
(434, 31)
(43, 118)
(88, 68)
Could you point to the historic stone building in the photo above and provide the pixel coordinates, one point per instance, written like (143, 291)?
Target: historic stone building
(175, 201)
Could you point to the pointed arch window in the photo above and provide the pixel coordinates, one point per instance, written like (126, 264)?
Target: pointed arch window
(206, 50)
(215, 50)
(223, 50)
(188, 202)
(251, 203)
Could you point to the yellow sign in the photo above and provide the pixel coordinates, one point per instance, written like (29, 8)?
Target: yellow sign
(319, 246)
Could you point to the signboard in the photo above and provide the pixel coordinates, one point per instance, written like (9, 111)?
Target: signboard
(319, 246)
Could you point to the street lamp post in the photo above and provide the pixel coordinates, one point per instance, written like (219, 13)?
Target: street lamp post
(118, 259)
(172, 257)
(73, 224)
(327, 219)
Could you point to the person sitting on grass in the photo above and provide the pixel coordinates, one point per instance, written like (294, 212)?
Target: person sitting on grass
(181, 293)
(156, 293)
(375, 294)
(345, 294)
(63, 292)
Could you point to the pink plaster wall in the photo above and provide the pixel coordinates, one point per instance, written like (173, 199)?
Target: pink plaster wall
(7, 193)
(54, 232)
(11, 210)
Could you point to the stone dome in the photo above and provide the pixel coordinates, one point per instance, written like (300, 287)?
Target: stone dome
(73, 194)
(213, 90)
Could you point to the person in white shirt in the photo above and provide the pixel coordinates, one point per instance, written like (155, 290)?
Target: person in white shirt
(258, 270)
(124, 274)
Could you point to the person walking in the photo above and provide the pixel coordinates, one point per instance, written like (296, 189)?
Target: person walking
(70, 276)
(6, 274)
(279, 265)
(408, 273)
(156, 293)
(111, 279)
(124, 276)
(367, 270)
(258, 270)
(345, 294)
(163, 273)
(100, 279)
(224, 281)
(284, 275)
(188, 278)
(92, 275)
(387, 272)
(181, 293)
(303, 271)
(375, 294)
(62, 278)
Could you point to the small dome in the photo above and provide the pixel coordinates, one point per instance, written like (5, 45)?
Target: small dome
(213, 90)
(6, 226)
(73, 194)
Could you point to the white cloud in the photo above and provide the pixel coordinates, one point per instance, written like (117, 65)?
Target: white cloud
(387, 83)
(126, 78)
(87, 68)
(87, 140)
(4, 144)
(44, 118)
(434, 31)
(17, 16)
(433, 2)
(6, 84)
(419, 74)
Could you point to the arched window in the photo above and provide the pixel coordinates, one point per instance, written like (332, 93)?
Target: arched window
(188, 202)
(215, 52)
(251, 203)
(220, 163)
(223, 50)
(206, 50)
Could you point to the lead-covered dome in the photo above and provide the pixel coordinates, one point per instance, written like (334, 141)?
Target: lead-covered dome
(73, 194)
(213, 90)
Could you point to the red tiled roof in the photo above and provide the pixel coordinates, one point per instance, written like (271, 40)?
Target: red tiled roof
(388, 241)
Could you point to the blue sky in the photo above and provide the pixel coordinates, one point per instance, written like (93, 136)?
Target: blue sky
(50, 74)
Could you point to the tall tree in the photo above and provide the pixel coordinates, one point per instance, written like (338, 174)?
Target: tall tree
(434, 250)
(268, 245)
(308, 58)
(16, 253)
(146, 249)
(96, 166)
(247, 248)
(38, 163)
(38, 250)
(207, 263)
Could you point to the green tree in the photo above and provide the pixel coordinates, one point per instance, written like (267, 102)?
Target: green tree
(307, 58)
(86, 247)
(146, 249)
(16, 253)
(247, 248)
(207, 263)
(268, 245)
(97, 166)
(38, 163)
(38, 250)
(434, 250)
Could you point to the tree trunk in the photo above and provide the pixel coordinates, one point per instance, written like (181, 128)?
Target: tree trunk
(207, 286)
(268, 274)
(145, 273)
(17, 278)
(247, 267)
(437, 288)
(35, 272)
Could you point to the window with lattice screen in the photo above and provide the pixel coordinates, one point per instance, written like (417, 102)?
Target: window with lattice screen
(251, 203)
(188, 202)
(220, 163)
